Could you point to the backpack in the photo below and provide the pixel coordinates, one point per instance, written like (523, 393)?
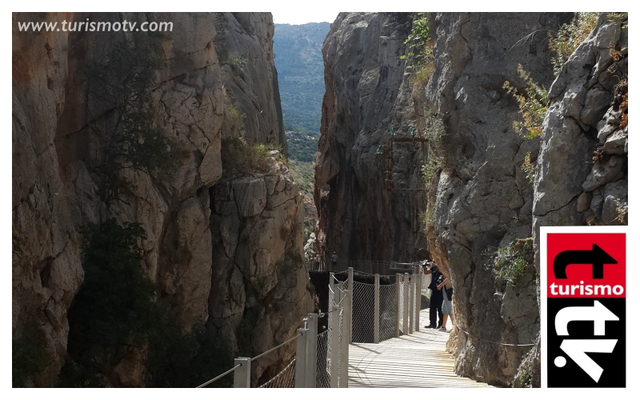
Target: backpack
(449, 293)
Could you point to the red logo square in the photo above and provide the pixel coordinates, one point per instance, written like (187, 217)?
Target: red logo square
(586, 265)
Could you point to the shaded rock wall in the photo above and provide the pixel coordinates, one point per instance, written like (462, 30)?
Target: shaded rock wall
(581, 175)
(259, 276)
(46, 268)
(483, 200)
(367, 94)
(211, 66)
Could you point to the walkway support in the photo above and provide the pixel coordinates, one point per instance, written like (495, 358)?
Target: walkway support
(301, 358)
(312, 350)
(410, 296)
(376, 310)
(242, 374)
(405, 303)
(349, 305)
(418, 299)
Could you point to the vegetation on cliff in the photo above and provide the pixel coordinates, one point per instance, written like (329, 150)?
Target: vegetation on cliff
(302, 145)
(28, 359)
(116, 315)
(570, 35)
(240, 159)
(533, 105)
(122, 86)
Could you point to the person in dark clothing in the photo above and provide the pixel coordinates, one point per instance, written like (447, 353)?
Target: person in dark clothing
(435, 302)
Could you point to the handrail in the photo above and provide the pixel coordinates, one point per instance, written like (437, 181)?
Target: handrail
(218, 377)
(342, 328)
(278, 346)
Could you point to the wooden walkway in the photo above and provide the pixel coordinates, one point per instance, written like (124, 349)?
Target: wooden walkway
(419, 360)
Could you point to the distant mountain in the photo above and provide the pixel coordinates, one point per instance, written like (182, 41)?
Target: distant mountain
(297, 49)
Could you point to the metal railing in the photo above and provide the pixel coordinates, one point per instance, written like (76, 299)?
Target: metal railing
(358, 312)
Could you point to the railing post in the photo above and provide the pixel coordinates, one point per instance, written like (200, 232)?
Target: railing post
(242, 374)
(332, 286)
(405, 302)
(312, 349)
(346, 333)
(418, 272)
(301, 358)
(344, 357)
(349, 305)
(412, 297)
(376, 310)
(398, 300)
(335, 334)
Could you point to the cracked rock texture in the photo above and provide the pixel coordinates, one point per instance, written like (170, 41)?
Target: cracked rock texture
(489, 205)
(214, 66)
(367, 95)
(581, 174)
(481, 200)
(259, 277)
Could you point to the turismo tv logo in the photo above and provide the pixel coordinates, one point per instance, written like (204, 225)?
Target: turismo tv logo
(585, 308)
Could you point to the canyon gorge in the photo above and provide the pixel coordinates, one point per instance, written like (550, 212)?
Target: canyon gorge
(167, 151)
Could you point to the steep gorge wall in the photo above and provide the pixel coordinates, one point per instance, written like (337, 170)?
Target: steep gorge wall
(216, 80)
(581, 175)
(484, 200)
(367, 94)
(480, 199)
(492, 205)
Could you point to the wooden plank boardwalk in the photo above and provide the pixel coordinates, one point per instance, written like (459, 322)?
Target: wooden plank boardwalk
(419, 360)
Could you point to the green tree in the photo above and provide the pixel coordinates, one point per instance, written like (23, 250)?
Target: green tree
(115, 305)
(122, 86)
(116, 308)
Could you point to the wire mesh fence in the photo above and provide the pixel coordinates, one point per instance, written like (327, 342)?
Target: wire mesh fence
(337, 300)
(323, 374)
(363, 316)
(285, 379)
(387, 311)
(355, 309)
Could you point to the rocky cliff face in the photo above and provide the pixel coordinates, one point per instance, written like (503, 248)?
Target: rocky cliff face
(367, 95)
(214, 79)
(46, 267)
(581, 175)
(259, 280)
(482, 211)
(483, 200)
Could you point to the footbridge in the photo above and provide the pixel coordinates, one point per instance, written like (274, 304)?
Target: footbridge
(369, 335)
